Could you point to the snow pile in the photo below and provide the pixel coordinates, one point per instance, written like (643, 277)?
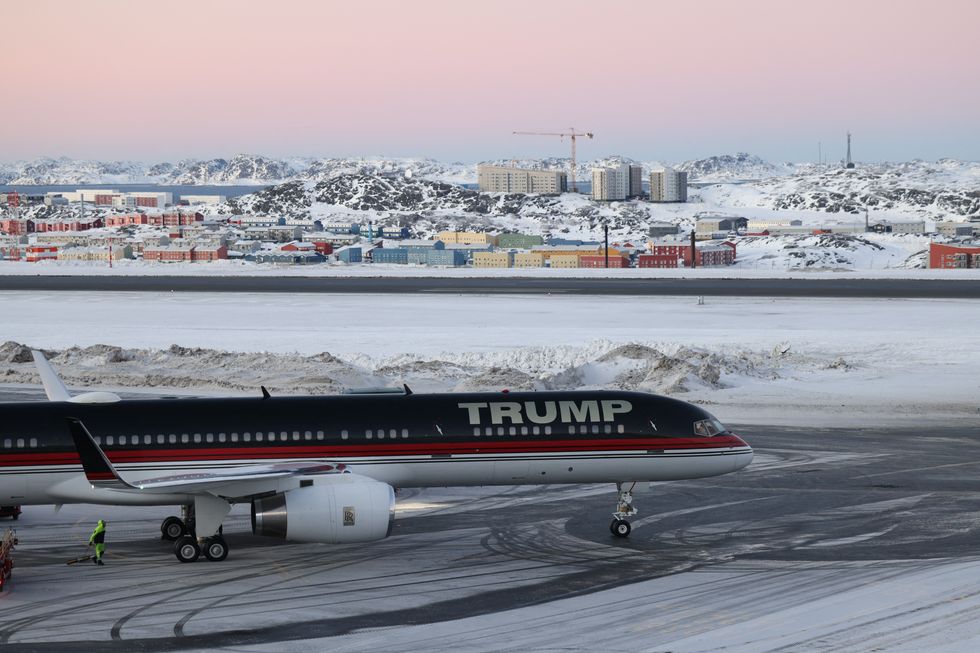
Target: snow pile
(664, 369)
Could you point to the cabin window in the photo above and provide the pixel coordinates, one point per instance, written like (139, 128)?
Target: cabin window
(173, 438)
(477, 432)
(108, 440)
(98, 439)
(209, 437)
(381, 434)
(595, 429)
(620, 428)
(319, 435)
(7, 443)
(489, 431)
(308, 435)
(259, 436)
(393, 433)
(33, 443)
(523, 430)
(343, 435)
(547, 430)
(369, 434)
(221, 437)
(500, 430)
(404, 433)
(197, 438)
(147, 439)
(571, 429)
(20, 443)
(513, 430)
(246, 437)
(122, 439)
(295, 435)
(536, 430)
(607, 429)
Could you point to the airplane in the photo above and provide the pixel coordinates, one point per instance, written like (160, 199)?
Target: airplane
(325, 468)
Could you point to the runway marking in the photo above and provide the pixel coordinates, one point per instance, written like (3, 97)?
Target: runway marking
(687, 511)
(923, 469)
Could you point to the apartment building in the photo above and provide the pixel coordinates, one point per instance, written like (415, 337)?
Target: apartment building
(668, 185)
(611, 184)
(504, 179)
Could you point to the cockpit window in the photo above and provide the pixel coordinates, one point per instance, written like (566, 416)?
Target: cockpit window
(707, 428)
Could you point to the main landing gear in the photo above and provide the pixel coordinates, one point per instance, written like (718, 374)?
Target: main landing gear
(620, 527)
(188, 547)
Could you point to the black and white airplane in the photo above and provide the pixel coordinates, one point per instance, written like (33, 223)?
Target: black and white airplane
(324, 469)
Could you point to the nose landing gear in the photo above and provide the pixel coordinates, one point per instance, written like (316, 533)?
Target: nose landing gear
(620, 526)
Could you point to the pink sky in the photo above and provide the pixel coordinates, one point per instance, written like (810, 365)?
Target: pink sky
(654, 80)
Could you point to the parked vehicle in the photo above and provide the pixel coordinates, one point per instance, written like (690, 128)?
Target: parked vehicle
(10, 511)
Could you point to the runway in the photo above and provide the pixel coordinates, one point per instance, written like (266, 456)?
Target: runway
(853, 288)
(781, 556)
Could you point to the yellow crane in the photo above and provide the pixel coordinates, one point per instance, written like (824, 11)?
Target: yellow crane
(572, 134)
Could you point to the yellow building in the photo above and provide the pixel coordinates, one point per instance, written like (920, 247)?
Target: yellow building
(466, 238)
(549, 251)
(493, 259)
(528, 260)
(564, 261)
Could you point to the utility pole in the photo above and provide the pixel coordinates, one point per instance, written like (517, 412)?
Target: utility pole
(605, 228)
(694, 252)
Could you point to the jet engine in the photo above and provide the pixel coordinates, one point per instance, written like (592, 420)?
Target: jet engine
(335, 509)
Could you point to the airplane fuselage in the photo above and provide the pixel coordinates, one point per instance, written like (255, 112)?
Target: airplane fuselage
(412, 440)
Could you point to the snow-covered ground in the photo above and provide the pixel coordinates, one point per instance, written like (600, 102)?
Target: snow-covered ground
(826, 361)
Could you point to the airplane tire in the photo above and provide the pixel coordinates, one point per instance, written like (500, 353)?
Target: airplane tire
(215, 548)
(173, 529)
(620, 528)
(186, 549)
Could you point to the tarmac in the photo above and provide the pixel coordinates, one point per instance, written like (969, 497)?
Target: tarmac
(821, 513)
(852, 288)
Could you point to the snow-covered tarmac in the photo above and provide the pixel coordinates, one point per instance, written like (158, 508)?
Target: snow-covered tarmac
(834, 540)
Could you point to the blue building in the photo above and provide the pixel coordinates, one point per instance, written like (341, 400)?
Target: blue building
(454, 257)
(349, 254)
(397, 255)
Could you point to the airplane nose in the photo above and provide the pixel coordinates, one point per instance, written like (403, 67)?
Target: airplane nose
(745, 454)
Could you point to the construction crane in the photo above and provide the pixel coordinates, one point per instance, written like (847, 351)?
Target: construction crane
(571, 133)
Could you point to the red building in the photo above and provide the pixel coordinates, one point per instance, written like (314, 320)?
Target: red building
(615, 261)
(13, 199)
(656, 261)
(168, 253)
(208, 254)
(668, 255)
(37, 253)
(954, 256)
(322, 247)
(16, 227)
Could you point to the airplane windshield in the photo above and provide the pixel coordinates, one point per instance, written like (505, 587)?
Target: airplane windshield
(707, 428)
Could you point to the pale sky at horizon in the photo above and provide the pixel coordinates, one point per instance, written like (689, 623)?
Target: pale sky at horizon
(155, 81)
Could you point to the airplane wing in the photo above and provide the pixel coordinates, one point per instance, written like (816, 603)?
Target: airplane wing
(53, 386)
(101, 473)
(56, 390)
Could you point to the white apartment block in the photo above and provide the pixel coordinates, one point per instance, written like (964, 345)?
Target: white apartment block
(611, 184)
(203, 199)
(503, 179)
(668, 185)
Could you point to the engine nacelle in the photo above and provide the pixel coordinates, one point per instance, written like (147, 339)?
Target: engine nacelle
(337, 509)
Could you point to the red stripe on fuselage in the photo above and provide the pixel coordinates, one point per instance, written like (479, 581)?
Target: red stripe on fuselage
(504, 445)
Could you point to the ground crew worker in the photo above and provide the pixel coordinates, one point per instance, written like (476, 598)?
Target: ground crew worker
(98, 539)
